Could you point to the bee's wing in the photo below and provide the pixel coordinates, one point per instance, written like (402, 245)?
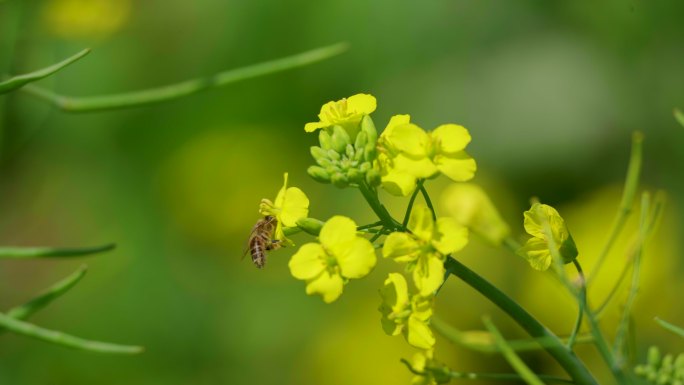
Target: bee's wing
(245, 250)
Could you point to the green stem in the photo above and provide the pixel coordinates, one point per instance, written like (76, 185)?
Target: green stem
(59, 338)
(626, 203)
(565, 357)
(49, 252)
(409, 208)
(513, 359)
(582, 304)
(178, 90)
(369, 226)
(428, 202)
(480, 341)
(372, 198)
(668, 326)
(19, 81)
(623, 326)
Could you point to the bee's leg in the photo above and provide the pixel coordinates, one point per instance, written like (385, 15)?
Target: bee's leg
(274, 245)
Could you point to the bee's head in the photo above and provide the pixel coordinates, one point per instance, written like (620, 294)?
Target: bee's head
(269, 218)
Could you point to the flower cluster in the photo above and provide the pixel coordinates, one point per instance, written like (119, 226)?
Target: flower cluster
(351, 153)
(662, 370)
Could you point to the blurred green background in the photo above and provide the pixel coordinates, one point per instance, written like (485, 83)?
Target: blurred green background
(550, 91)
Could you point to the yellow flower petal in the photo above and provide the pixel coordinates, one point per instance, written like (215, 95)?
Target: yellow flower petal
(313, 126)
(398, 183)
(358, 259)
(459, 167)
(419, 334)
(361, 104)
(337, 234)
(428, 274)
(394, 292)
(421, 223)
(450, 138)
(537, 253)
(421, 307)
(397, 120)
(409, 139)
(451, 236)
(534, 227)
(295, 206)
(281, 193)
(328, 285)
(422, 168)
(308, 262)
(400, 246)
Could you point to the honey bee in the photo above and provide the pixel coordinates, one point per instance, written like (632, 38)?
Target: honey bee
(261, 240)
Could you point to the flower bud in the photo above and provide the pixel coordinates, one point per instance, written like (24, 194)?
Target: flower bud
(333, 155)
(319, 174)
(368, 127)
(360, 142)
(470, 206)
(365, 166)
(349, 151)
(339, 180)
(310, 225)
(318, 153)
(340, 139)
(325, 140)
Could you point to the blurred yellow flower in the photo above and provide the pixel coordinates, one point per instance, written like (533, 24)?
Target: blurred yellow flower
(470, 205)
(291, 204)
(399, 315)
(425, 248)
(536, 250)
(409, 153)
(340, 255)
(346, 112)
(86, 18)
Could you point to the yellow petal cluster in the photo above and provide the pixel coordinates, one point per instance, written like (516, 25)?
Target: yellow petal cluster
(425, 248)
(339, 256)
(537, 249)
(346, 112)
(401, 315)
(409, 153)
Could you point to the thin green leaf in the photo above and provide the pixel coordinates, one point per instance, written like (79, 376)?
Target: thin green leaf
(19, 81)
(178, 90)
(509, 354)
(55, 291)
(59, 338)
(50, 252)
(628, 194)
(668, 326)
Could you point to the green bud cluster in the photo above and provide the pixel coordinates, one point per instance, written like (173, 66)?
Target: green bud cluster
(343, 160)
(661, 370)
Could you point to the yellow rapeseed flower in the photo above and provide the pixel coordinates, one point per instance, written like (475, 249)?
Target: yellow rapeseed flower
(470, 205)
(403, 316)
(537, 249)
(291, 204)
(433, 372)
(409, 153)
(425, 248)
(346, 112)
(341, 255)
